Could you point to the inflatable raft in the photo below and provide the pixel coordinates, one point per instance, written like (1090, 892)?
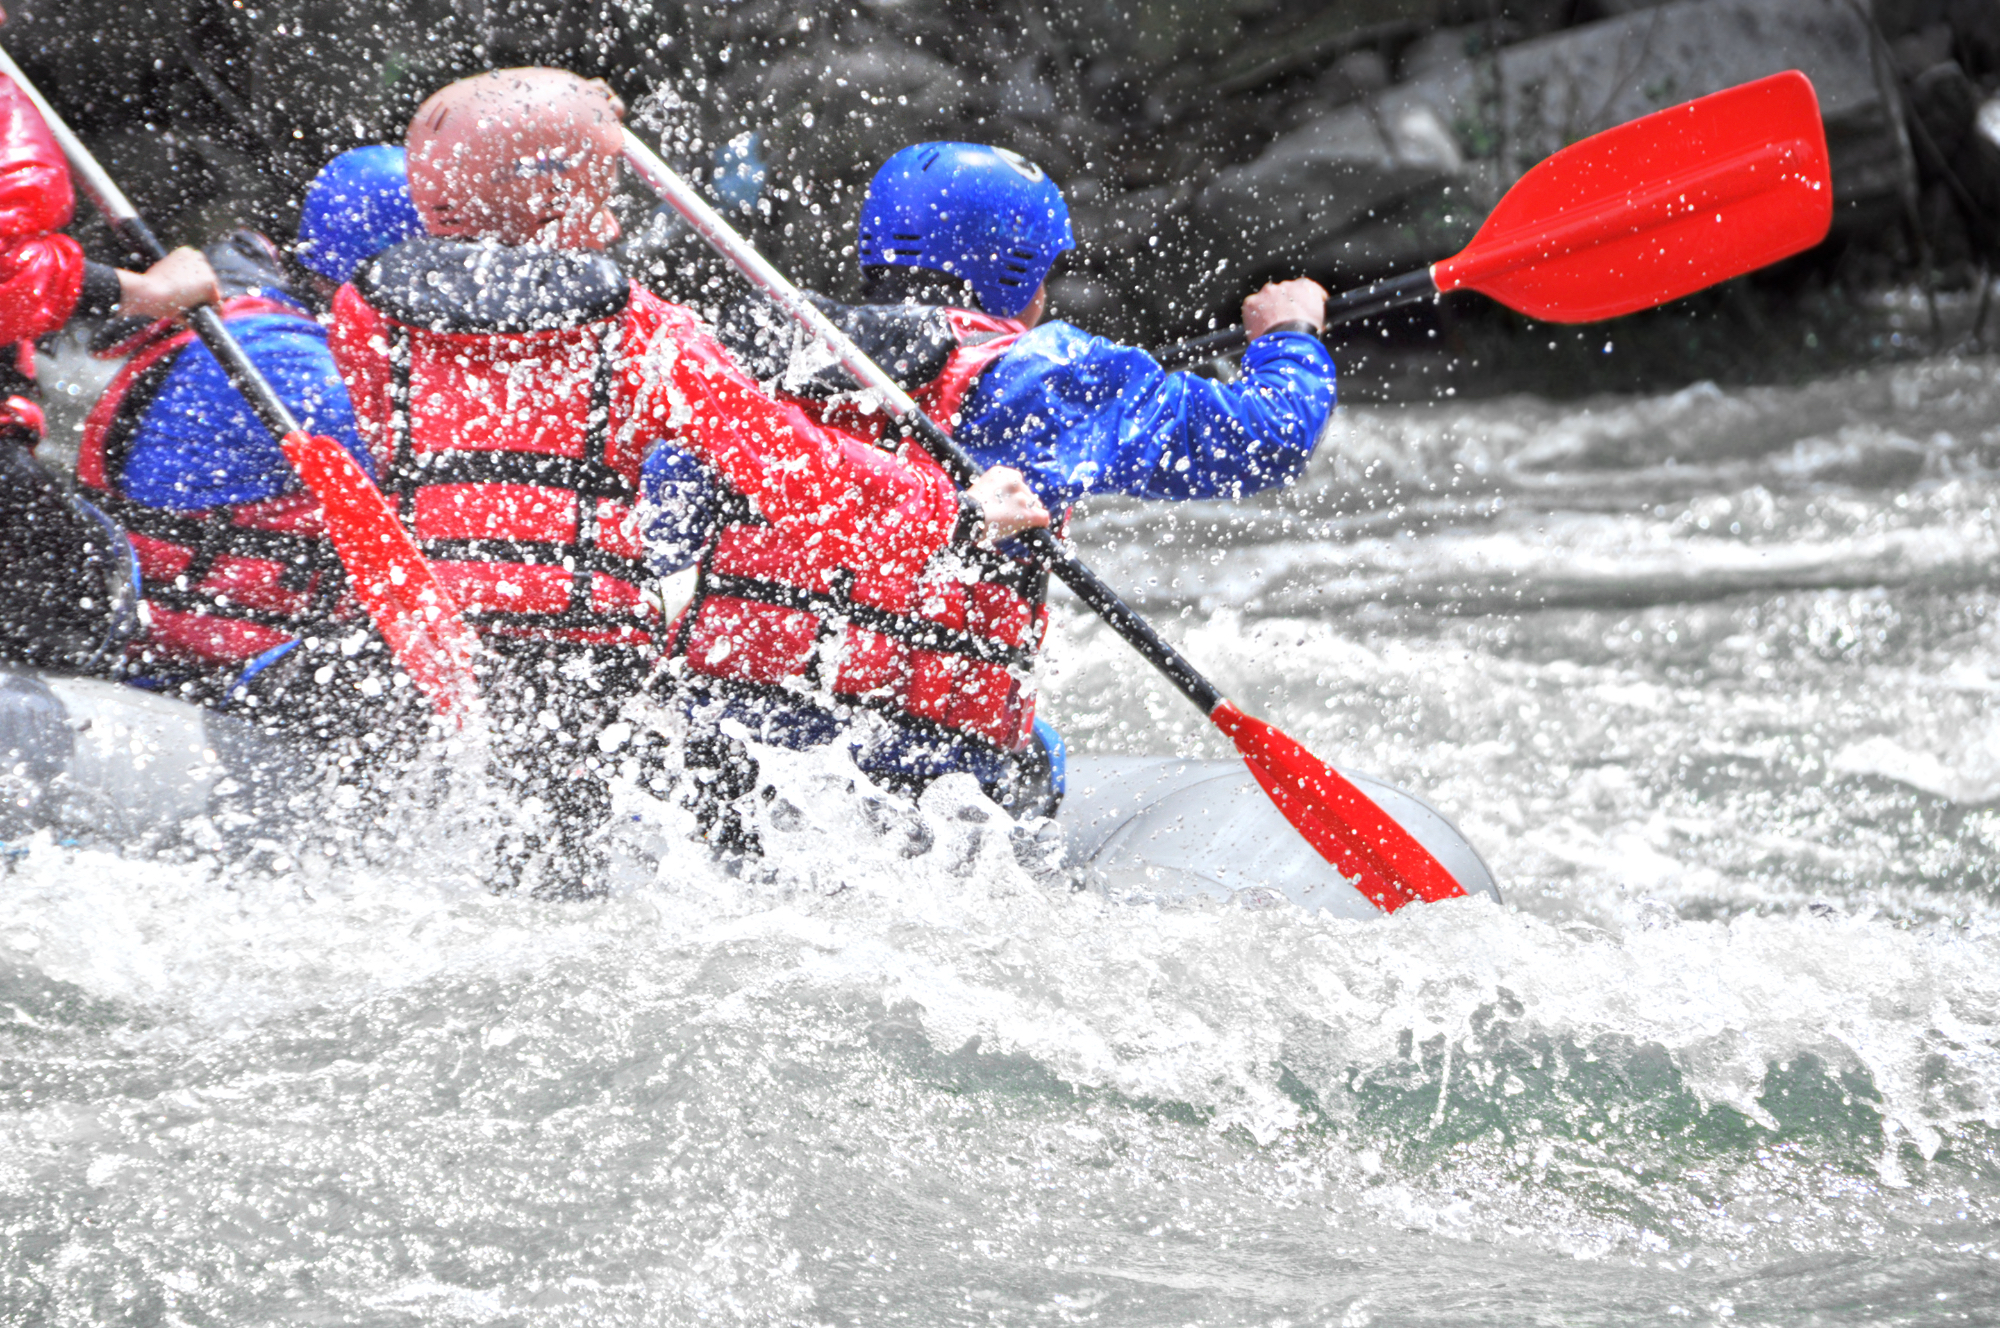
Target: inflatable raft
(116, 764)
(1178, 830)
(113, 763)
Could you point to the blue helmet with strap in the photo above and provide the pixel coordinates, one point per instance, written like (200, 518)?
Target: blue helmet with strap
(985, 215)
(357, 206)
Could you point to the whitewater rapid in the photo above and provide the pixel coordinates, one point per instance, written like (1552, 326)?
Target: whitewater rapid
(1706, 676)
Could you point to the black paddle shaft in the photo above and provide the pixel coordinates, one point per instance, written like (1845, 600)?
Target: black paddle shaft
(1348, 307)
(1089, 587)
(215, 334)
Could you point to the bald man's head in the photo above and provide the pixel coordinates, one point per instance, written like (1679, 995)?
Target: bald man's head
(522, 156)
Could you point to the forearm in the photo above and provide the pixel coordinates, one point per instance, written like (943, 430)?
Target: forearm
(906, 510)
(1245, 436)
(840, 500)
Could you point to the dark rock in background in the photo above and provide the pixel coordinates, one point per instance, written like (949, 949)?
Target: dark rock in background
(1204, 144)
(1408, 175)
(1961, 198)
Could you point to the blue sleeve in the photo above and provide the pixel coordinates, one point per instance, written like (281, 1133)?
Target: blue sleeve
(680, 507)
(199, 445)
(1078, 414)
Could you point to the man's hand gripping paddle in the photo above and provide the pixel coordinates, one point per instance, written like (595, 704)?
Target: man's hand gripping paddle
(401, 594)
(1351, 832)
(1648, 212)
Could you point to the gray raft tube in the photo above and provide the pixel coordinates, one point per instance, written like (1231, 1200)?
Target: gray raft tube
(102, 762)
(1178, 831)
(107, 763)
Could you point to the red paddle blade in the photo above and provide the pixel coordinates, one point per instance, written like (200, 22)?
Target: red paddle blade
(390, 577)
(1658, 208)
(1360, 839)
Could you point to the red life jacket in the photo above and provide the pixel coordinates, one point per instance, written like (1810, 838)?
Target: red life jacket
(954, 655)
(499, 435)
(223, 584)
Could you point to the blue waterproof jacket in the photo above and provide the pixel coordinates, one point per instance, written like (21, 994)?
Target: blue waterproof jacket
(199, 445)
(1077, 414)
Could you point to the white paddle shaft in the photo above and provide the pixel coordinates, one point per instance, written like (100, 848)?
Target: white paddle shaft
(663, 180)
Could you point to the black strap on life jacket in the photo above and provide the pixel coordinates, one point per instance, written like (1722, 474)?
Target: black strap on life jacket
(919, 633)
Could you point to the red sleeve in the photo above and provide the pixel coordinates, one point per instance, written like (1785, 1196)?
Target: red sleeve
(361, 352)
(853, 504)
(41, 273)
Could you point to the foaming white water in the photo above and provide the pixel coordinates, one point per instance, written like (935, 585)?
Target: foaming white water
(1527, 441)
(1728, 1053)
(1201, 1006)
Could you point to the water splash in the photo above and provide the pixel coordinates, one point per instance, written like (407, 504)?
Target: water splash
(1728, 1053)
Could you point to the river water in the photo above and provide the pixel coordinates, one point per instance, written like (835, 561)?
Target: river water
(1709, 679)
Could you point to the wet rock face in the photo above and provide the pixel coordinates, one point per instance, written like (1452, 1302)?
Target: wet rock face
(1945, 57)
(1204, 144)
(213, 114)
(1392, 182)
(1332, 177)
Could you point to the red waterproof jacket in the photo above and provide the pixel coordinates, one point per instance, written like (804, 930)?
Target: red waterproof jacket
(510, 396)
(41, 272)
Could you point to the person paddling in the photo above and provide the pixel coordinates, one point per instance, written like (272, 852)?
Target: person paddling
(236, 563)
(67, 598)
(237, 566)
(956, 244)
(510, 380)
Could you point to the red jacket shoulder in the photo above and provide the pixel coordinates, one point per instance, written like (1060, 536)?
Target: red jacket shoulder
(35, 194)
(41, 273)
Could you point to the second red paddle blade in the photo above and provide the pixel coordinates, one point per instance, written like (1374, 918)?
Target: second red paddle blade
(1363, 842)
(395, 585)
(1658, 208)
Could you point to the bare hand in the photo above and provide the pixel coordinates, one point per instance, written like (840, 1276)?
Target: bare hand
(1300, 300)
(1009, 504)
(173, 285)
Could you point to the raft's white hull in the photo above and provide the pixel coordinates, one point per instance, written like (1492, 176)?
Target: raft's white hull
(1180, 830)
(88, 757)
(95, 758)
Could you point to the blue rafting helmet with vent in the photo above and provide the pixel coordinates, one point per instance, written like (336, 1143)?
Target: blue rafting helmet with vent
(357, 206)
(985, 215)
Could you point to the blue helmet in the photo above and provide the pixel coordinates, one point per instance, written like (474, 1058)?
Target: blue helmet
(986, 215)
(357, 206)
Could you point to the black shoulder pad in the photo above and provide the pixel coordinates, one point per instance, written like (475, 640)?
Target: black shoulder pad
(911, 342)
(454, 286)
